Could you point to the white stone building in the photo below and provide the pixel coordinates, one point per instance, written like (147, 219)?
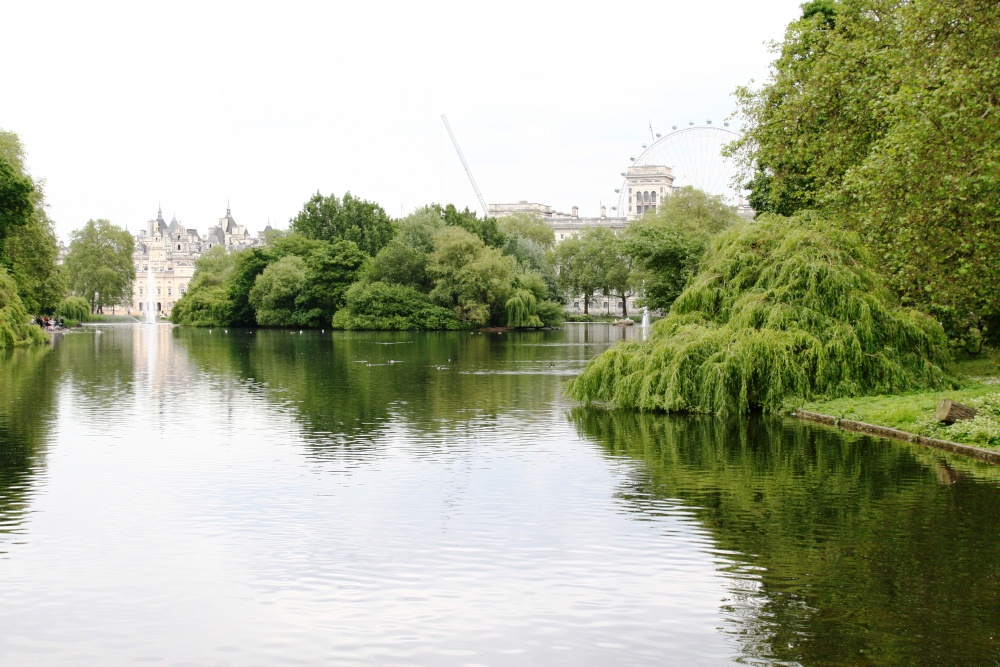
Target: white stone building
(647, 187)
(170, 250)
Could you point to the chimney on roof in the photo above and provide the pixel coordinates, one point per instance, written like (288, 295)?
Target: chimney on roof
(576, 211)
(604, 211)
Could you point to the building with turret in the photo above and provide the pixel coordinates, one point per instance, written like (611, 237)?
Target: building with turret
(169, 250)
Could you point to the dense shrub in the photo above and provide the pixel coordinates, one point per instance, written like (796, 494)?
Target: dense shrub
(207, 306)
(383, 306)
(782, 309)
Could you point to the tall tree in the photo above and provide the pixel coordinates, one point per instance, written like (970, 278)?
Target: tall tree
(884, 112)
(471, 278)
(351, 219)
(99, 264)
(528, 225)
(28, 247)
(587, 264)
(15, 199)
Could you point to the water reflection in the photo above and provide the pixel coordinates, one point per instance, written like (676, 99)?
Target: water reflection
(28, 386)
(843, 549)
(270, 497)
(347, 389)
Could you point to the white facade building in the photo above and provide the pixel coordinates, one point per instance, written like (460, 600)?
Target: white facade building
(170, 250)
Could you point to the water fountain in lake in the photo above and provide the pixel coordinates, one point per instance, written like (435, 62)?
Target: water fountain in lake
(150, 304)
(646, 323)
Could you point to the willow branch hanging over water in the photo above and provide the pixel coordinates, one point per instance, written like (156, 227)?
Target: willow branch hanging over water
(782, 309)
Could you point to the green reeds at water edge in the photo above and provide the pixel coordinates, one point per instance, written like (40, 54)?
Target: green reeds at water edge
(782, 309)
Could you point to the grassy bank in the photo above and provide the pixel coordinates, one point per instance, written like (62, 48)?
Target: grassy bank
(979, 380)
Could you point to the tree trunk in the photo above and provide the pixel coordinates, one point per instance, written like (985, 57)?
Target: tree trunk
(586, 305)
(624, 308)
(949, 412)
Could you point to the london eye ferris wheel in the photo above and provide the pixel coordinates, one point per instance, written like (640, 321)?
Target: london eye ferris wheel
(694, 155)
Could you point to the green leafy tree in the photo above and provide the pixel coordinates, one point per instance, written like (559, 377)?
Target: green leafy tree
(528, 225)
(28, 247)
(487, 229)
(15, 199)
(99, 264)
(247, 265)
(587, 263)
(206, 303)
(668, 244)
(620, 278)
(533, 256)
(575, 272)
(401, 264)
(74, 308)
(351, 219)
(470, 278)
(885, 113)
(383, 306)
(403, 260)
(276, 290)
(330, 271)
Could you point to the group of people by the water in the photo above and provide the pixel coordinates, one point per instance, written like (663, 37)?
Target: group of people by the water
(49, 323)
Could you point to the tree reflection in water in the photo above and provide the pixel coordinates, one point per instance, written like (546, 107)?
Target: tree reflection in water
(846, 549)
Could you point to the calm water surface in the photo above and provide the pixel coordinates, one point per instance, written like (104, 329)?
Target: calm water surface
(182, 497)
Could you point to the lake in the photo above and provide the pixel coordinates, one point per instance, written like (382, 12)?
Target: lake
(190, 497)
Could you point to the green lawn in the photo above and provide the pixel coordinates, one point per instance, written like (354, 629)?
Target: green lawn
(979, 381)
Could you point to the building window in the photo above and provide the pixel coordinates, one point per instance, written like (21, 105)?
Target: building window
(140, 291)
(652, 198)
(605, 305)
(645, 197)
(158, 291)
(576, 305)
(183, 289)
(169, 290)
(178, 246)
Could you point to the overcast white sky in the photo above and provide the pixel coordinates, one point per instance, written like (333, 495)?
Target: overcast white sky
(121, 106)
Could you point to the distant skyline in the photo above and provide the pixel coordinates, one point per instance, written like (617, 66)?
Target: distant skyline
(122, 107)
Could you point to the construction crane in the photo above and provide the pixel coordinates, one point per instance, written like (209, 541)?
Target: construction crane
(454, 141)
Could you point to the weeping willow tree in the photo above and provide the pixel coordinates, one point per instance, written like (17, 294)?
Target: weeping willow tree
(521, 309)
(14, 327)
(781, 310)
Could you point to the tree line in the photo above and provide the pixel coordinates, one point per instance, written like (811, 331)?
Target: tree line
(344, 263)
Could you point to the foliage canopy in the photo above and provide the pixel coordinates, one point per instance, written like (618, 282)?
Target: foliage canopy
(28, 248)
(351, 219)
(886, 113)
(99, 264)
